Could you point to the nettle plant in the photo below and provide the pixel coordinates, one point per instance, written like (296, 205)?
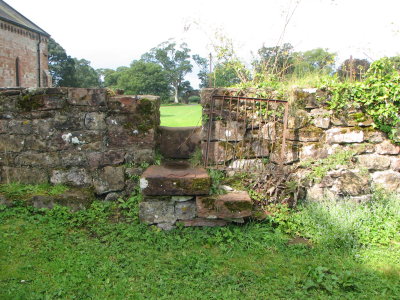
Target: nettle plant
(378, 96)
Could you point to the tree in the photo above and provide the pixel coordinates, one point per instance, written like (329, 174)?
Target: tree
(353, 68)
(61, 65)
(203, 65)
(85, 75)
(70, 72)
(315, 60)
(275, 61)
(139, 79)
(174, 61)
(224, 75)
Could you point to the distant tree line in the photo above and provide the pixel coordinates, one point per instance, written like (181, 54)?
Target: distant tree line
(163, 69)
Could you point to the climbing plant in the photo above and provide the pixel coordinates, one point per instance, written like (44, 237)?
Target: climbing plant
(378, 96)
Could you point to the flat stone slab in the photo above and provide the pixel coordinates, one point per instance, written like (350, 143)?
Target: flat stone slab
(175, 179)
(232, 205)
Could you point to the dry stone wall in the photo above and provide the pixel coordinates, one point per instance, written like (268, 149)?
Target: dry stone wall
(77, 137)
(315, 135)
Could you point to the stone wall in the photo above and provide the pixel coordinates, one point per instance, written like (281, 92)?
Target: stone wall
(76, 137)
(17, 42)
(313, 133)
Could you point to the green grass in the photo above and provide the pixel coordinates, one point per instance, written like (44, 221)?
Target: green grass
(180, 115)
(54, 254)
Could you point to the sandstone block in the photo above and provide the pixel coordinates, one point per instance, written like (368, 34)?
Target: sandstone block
(179, 142)
(201, 222)
(101, 159)
(301, 119)
(153, 212)
(24, 175)
(11, 143)
(344, 135)
(375, 137)
(352, 184)
(313, 151)
(306, 134)
(175, 179)
(374, 162)
(48, 159)
(73, 177)
(225, 131)
(109, 179)
(23, 127)
(185, 210)
(230, 205)
(389, 180)
(387, 148)
(95, 121)
(218, 152)
(395, 163)
(87, 97)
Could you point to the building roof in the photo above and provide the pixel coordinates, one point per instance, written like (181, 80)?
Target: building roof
(9, 14)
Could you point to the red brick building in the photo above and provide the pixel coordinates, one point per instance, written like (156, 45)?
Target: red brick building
(23, 51)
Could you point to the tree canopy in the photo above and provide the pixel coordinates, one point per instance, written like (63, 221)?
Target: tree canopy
(175, 61)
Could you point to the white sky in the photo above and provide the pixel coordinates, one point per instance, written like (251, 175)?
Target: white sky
(113, 33)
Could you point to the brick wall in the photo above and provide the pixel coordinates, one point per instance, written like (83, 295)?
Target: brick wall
(75, 136)
(16, 42)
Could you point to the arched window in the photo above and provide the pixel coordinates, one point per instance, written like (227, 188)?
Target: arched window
(17, 78)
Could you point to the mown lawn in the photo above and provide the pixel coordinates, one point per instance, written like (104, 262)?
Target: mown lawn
(89, 255)
(180, 115)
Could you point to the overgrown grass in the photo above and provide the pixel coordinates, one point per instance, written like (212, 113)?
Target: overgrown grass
(180, 115)
(55, 254)
(18, 190)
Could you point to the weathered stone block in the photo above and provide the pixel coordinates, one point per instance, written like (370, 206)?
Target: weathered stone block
(73, 177)
(153, 212)
(313, 151)
(48, 159)
(179, 142)
(247, 164)
(344, 135)
(101, 159)
(387, 148)
(201, 222)
(124, 104)
(374, 162)
(76, 199)
(109, 179)
(86, 97)
(24, 175)
(389, 180)
(224, 131)
(174, 180)
(68, 122)
(395, 163)
(300, 120)
(352, 184)
(22, 127)
(185, 210)
(375, 137)
(95, 121)
(73, 159)
(306, 134)
(231, 205)
(218, 151)
(11, 143)
(35, 143)
(118, 137)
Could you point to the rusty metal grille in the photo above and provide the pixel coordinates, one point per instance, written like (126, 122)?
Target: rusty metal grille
(244, 133)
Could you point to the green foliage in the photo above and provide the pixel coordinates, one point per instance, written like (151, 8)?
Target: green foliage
(141, 78)
(196, 159)
(56, 254)
(319, 168)
(19, 190)
(343, 224)
(353, 69)
(175, 63)
(70, 72)
(217, 177)
(378, 96)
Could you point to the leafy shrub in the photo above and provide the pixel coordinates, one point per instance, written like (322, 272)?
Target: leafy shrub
(378, 96)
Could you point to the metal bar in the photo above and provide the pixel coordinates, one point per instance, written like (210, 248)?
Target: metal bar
(285, 119)
(210, 116)
(254, 99)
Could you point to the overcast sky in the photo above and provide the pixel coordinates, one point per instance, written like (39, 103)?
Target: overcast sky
(113, 33)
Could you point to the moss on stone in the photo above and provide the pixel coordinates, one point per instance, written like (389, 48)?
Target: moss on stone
(209, 202)
(201, 184)
(238, 206)
(30, 102)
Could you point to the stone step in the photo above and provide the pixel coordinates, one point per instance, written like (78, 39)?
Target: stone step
(175, 178)
(232, 205)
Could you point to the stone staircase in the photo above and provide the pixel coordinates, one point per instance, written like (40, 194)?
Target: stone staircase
(176, 192)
